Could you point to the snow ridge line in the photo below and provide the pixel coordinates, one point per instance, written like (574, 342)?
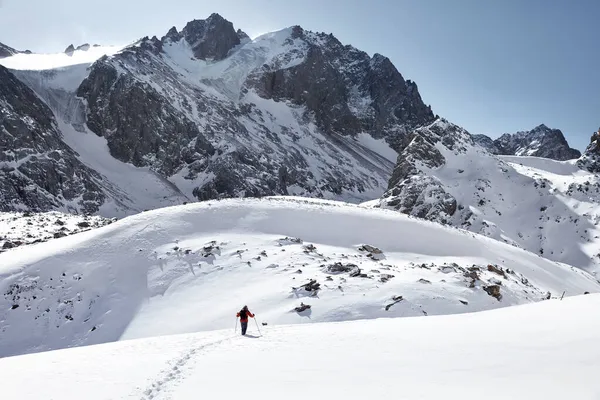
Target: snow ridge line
(175, 372)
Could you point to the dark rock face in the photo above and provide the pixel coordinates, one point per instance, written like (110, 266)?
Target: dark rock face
(211, 38)
(6, 51)
(141, 126)
(348, 91)
(590, 160)
(538, 142)
(411, 190)
(70, 50)
(37, 170)
(83, 47)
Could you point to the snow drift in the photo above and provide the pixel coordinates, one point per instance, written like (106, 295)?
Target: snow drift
(189, 268)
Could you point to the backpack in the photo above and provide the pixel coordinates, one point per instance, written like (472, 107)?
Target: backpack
(243, 314)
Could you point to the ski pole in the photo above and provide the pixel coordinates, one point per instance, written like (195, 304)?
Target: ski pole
(257, 326)
(235, 330)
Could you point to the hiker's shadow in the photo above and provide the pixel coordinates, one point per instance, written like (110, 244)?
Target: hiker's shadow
(251, 336)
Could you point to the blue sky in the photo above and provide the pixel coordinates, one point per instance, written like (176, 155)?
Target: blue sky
(490, 66)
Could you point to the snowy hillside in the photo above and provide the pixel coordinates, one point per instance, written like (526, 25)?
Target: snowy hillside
(548, 207)
(190, 268)
(540, 351)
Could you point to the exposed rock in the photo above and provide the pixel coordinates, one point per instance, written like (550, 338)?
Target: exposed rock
(83, 47)
(311, 286)
(338, 268)
(590, 160)
(395, 299)
(212, 38)
(541, 141)
(7, 51)
(370, 249)
(302, 307)
(48, 173)
(496, 270)
(70, 50)
(410, 190)
(494, 291)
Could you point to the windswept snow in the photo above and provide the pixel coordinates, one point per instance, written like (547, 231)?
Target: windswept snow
(189, 268)
(540, 351)
(36, 61)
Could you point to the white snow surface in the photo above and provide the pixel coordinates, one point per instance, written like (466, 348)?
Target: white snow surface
(39, 61)
(189, 268)
(546, 351)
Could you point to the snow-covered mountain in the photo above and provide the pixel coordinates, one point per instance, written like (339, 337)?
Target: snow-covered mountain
(214, 114)
(541, 141)
(189, 268)
(545, 351)
(548, 207)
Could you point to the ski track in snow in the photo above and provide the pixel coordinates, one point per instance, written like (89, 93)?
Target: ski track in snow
(177, 370)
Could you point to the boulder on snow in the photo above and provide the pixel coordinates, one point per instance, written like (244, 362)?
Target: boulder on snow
(289, 240)
(496, 270)
(309, 248)
(369, 249)
(311, 286)
(338, 268)
(395, 299)
(302, 307)
(494, 291)
(373, 252)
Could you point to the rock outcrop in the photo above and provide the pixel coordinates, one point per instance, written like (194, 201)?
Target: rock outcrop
(541, 141)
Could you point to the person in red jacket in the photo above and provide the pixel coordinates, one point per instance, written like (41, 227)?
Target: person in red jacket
(243, 314)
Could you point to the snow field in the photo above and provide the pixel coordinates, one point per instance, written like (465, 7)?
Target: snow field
(546, 350)
(190, 268)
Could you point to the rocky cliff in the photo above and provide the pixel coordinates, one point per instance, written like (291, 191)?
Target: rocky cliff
(541, 141)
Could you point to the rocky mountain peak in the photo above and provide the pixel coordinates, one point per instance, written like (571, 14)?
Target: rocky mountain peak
(590, 159)
(70, 50)
(242, 35)
(541, 141)
(7, 51)
(211, 38)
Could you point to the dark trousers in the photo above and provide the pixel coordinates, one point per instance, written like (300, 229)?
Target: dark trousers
(244, 327)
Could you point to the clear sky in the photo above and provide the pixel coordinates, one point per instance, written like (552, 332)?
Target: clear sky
(491, 66)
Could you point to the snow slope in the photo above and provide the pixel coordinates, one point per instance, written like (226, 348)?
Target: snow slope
(548, 207)
(540, 351)
(189, 268)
